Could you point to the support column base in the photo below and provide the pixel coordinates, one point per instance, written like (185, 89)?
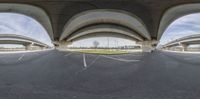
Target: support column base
(62, 45)
(147, 46)
(28, 47)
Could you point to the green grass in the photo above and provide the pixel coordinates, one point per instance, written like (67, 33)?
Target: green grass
(103, 51)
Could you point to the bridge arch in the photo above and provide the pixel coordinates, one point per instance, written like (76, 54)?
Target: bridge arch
(31, 11)
(110, 17)
(105, 30)
(174, 13)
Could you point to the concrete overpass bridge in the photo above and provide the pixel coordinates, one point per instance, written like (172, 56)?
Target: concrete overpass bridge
(22, 40)
(184, 42)
(145, 21)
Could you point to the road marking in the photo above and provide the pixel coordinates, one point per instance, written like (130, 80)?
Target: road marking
(84, 61)
(94, 61)
(191, 58)
(87, 66)
(119, 59)
(20, 57)
(36, 53)
(181, 52)
(14, 52)
(135, 55)
(68, 54)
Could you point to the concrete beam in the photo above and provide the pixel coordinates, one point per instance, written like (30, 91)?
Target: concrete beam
(174, 13)
(61, 45)
(105, 29)
(184, 47)
(101, 16)
(147, 46)
(19, 39)
(42, 48)
(28, 46)
(34, 12)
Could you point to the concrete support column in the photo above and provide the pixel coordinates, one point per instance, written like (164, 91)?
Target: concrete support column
(28, 47)
(184, 46)
(167, 48)
(62, 45)
(171, 48)
(43, 48)
(147, 46)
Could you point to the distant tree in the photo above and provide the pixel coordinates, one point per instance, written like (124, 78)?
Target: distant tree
(96, 44)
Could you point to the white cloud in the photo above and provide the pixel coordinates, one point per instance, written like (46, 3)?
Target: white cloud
(13, 23)
(184, 26)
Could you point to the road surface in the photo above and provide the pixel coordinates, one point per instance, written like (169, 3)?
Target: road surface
(68, 75)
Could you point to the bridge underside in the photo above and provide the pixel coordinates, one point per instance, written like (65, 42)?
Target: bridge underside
(145, 20)
(28, 45)
(183, 45)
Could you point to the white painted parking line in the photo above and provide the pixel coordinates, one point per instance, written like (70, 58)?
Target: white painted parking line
(20, 57)
(16, 52)
(84, 61)
(135, 55)
(93, 61)
(188, 58)
(68, 54)
(191, 58)
(119, 59)
(181, 52)
(36, 53)
(87, 66)
(96, 58)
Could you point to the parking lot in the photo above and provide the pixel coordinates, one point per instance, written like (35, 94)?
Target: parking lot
(70, 75)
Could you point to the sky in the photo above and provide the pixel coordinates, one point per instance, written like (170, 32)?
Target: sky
(12, 23)
(183, 26)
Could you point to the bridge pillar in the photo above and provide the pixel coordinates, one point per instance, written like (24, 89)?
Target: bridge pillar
(171, 48)
(43, 48)
(184, 46)
(147, 46)
(28, 46)
(167, 48)
(62, 45)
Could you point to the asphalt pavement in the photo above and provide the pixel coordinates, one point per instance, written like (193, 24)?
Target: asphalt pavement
(69, 75)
